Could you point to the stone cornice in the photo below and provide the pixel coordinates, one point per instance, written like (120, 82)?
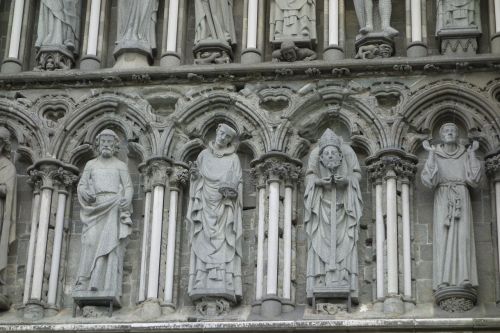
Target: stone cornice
(236, 72)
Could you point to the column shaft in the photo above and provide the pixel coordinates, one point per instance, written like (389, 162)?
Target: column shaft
(15, 35)
(416, 21)
(173, 16)
(333, 22)
(253, 7)
(273, 238)
(95, 11)
(35, 213)
(172, 224)
(145, 243)
(405, 197)
(497, 209)
(155, 249)
(392, 235)
(287, 244)
(380, 237)
(260, 243)
(41, 244)
(56, 249)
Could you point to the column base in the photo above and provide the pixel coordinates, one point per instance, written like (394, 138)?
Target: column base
(393, 305)
(12, 65)
(150, 309)
(495, 44)
(272, 306)
(170, 59)
(333, 53)
(168, 308)
(89, 63)
(129, 60)
(416, 50)
(251, 56)
(409, 304)
(33, 310)
(51, 311)
(456, 298)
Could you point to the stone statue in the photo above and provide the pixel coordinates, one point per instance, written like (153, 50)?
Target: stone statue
(8, 198)
(364, 12)
(214, 215)
(136, 27)
(293, 20)
(214, 30)
(289, 52)
(105, 195)
(373, 51)
(458, 14)
(450, 168)
(333, 176)
(57, 34)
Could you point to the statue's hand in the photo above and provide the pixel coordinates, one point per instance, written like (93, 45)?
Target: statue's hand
(341, 180)
(323, 182)
(3, 190)
(473, 147)
(427, 146)
(87, 197)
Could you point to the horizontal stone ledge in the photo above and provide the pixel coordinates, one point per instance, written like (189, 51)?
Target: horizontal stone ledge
(361, 325)
(351, 68)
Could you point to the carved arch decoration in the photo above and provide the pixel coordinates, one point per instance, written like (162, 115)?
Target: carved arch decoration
(470, 105)
(202, 109)
(330, 102)
(94, 113)
(24, 126)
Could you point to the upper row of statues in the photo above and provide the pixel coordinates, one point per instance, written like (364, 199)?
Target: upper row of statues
(292, 29)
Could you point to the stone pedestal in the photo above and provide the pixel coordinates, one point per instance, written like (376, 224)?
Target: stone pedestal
(131, 60)
(458, 42)
(212, 52)
(95, 298)
(456, 299)
(393, 305)
(170, 59)
(33, 310)
(374, 45)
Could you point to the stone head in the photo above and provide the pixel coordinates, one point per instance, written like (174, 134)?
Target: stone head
(330, 153)
(385, 50)
(5, 144)
(107, 143)
(289, 51)
(224, 135)
(448, 133)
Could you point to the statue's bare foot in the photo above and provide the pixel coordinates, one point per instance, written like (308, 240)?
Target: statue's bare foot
(391, 31)
(367, 29)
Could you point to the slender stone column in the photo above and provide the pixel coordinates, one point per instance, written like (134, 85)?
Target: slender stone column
(158, 171)
(145, 233)
(35, 211)
(495, 32)
(90, 60)
(64, 181)
(251, 54)
(416, 47)
(393, 165)
(333, 48)
(13, 61)
(171, 54)
(380, 240)
(179, 178)
(493, 172)
(275, 168)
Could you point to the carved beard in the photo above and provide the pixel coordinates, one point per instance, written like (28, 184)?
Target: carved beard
(106, 152)
(332, 163)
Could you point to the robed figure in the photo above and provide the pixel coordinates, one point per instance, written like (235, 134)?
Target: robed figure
(214, 216)
(105, 195)
(8, 199)
(333, 208)
(214, 21)
(293, 20)
(450, 170)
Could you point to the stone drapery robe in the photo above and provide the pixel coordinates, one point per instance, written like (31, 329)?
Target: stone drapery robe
(59, 25)
(7, 208)
(106, 225)
(215, 227)
(458, 14)
(291, 19)
(214, 21)
(317, 205)
(136, 25)
(454, 250)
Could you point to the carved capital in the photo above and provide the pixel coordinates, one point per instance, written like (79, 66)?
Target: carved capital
(47, 173)
(276, 167)
(393, 162)
(64, 179)
(492, 165)
(179, 177)
(158, 172)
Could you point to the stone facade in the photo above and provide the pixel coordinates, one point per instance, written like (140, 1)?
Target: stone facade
(165, 110)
